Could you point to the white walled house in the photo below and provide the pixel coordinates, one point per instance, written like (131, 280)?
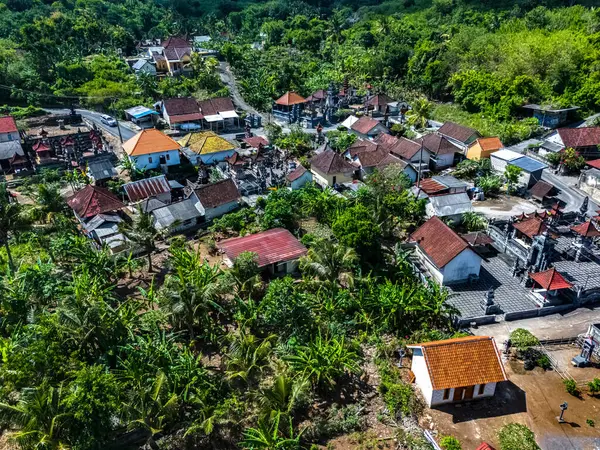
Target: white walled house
(215, 199)
(457, 370)
(329, 168)
(150, 149)
(445, 256)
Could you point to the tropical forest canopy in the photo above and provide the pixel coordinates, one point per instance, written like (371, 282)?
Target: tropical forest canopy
(487, 57)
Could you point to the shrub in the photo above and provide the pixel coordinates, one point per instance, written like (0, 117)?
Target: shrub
(544, 362)
(590, 422)
(571, 387)
(515, 436)
(450, 443)
(594, 386)
(522, 339)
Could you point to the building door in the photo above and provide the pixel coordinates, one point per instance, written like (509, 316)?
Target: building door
(469, 393)
(458, 394)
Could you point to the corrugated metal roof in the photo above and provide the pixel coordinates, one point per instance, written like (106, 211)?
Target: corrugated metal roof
(272, 246)
(148, 187)
(181, 211)
(451, 204)
(528, 164)
(506, 155)
(450, 181)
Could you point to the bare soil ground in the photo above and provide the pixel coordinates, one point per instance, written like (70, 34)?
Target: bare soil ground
(564, 354)
(505, 206)
(531, 398)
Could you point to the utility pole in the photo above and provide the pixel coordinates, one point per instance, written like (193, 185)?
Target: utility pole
(117, 119)
(419, 173)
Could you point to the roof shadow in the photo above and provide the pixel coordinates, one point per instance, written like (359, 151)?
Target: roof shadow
(509, 399)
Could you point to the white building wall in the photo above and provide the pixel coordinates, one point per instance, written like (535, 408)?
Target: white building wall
(444, 160)
(498, 164)
(437, 397)
(213, 158)
(417, 157)
(419, 368)
(212, 213)
(324, 180)
(152, 160)
(464, 264)
(436, 273)
(6, 137)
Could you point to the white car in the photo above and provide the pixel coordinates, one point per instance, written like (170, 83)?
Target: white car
(107, 120)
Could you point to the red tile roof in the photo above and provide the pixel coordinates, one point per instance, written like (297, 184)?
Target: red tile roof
(331, 162)
(461, 362)
(439, 242)
(531, 227)
(579, 137)
(149, 141)
(456, 131)
(379, 100)
(289, 99)
(391, 159)
(438, 144)
(296, 173)
(594, 163)
(175, 42)
(272, 246)
(146, 188)
(551, 280)
(39, 146)
(586, 229)
(317, 96)
(255, 141)
(94, 200)
(217, 194)
(364, 125)
(8, 125)
(485, 446)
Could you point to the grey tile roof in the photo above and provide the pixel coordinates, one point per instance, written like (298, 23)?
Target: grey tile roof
(179, 211)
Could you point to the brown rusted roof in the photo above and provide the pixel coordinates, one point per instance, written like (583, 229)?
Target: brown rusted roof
(146, 188)
(94, 200)
(181, 106)
(432, 187)
(456, 131)
(461, 362)
(214, 106)
(331, 162)
(217, 194)
(541, 189)
(580, 137)
(391, 159)
(175, 42)
(255, 141)
(439, 242)
(438, 144)
(379, 100)
(476, 238)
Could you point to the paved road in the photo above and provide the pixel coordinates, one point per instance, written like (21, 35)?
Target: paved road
(572, 196)
(95, 117)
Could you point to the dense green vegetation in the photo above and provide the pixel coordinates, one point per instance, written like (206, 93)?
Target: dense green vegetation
(487, 57)
(197, 356)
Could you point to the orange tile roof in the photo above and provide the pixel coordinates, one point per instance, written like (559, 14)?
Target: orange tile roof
(492, 143)
(290, 98)
(149, 141)
(551, 280)
(461, 362)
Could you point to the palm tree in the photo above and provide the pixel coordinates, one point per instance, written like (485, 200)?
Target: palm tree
(284, 394)
(327, 261)
(141, 233)
(48, 203)
(420, 113)
(248, 355)
(11, 222)
(268, 436)
(40, 417)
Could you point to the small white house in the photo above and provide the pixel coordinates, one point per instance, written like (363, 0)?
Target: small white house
(215, 199)
(445, 256)
(457, 370)
(150, 149)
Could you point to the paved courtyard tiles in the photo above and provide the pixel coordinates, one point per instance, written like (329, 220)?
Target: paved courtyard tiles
(508, 292)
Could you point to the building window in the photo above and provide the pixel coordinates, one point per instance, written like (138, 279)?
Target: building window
(446, 394)
(481, 389)
(150, 159)
(168, 157)
(9, 137)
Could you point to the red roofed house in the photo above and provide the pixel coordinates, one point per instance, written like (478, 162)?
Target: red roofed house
(277, 250)
(155, 187)
(150, 149)
(444, 153)
(446, 256)
(10, 144)
(93, 200)
(407, 150)
(216, 199)
(584, 140)
(457, 370)
(182, 113)
(365, 128)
